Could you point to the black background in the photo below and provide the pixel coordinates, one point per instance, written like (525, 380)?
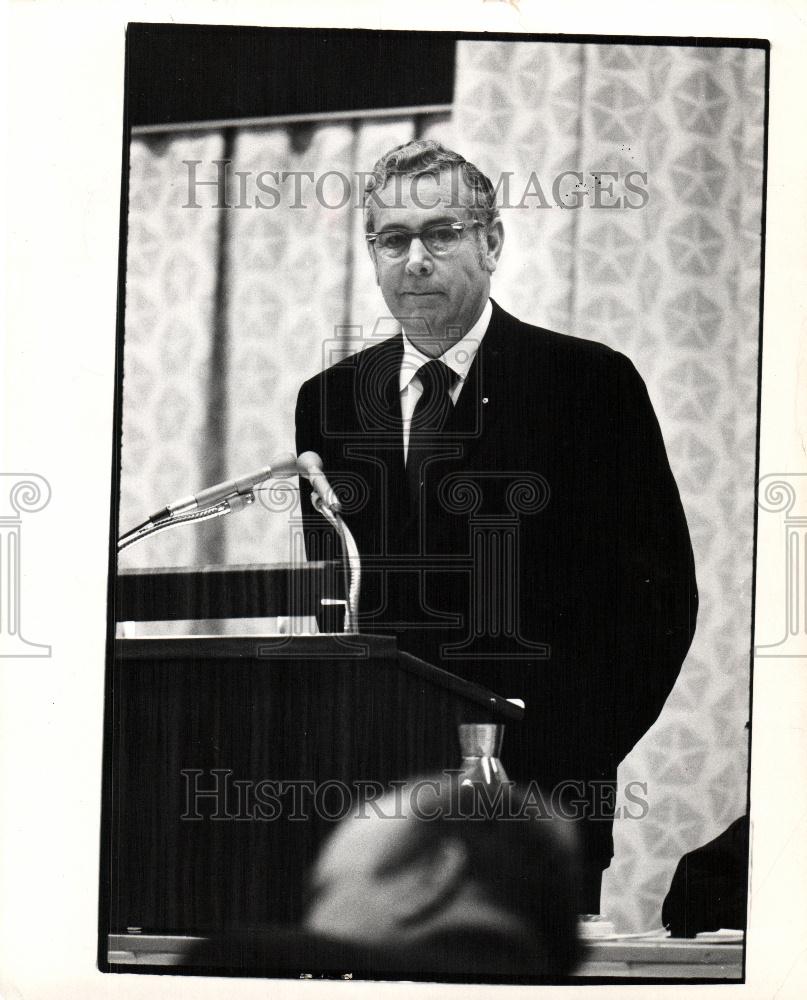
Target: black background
(183, 73)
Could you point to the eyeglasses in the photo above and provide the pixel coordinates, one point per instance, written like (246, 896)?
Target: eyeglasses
(440, 240)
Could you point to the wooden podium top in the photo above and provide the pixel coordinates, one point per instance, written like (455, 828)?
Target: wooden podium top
(307, 648)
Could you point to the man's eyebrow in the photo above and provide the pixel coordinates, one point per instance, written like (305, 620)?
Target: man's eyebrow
(441, 220)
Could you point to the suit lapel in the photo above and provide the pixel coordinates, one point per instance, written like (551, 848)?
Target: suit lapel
(479, 404)
(379, 409)
(377, 392)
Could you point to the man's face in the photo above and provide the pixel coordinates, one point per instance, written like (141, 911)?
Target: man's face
(433, 296)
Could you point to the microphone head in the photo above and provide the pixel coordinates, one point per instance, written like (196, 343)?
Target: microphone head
(309, 464)
(284, 464)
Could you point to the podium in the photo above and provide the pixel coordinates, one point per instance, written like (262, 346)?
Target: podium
(229, 759)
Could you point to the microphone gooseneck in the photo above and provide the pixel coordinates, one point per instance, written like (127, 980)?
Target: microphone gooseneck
(284, 464)
(309, 464)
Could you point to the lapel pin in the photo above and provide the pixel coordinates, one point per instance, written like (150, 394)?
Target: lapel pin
(484, 399)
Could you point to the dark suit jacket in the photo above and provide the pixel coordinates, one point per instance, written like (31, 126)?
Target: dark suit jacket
(710, 887)
(551, 560)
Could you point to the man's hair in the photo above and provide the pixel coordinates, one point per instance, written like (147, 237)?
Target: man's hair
(427, 157)
(523, 860)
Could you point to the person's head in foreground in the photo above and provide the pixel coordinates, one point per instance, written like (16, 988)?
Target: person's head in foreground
(469, 883)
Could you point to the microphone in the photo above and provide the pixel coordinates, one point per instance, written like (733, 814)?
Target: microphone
(309, 464)
(282, 465)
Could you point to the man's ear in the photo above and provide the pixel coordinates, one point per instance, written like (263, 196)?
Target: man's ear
(433, 879)
(495, 242)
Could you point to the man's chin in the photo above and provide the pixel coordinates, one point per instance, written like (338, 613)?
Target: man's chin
(423, 322)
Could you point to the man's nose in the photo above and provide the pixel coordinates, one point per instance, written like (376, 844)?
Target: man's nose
(419, 260)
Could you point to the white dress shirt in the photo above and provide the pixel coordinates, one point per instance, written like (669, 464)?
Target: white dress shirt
(459, 358)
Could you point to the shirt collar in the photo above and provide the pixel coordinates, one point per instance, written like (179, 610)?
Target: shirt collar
(459, 357)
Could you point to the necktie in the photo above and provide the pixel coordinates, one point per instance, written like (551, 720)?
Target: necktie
(428, 420)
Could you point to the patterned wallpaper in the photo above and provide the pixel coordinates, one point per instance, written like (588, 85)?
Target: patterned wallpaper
(673, 284)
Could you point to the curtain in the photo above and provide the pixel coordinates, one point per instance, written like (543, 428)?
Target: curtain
(171, 281)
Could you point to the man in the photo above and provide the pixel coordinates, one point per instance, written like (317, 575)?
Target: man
(512, 501)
